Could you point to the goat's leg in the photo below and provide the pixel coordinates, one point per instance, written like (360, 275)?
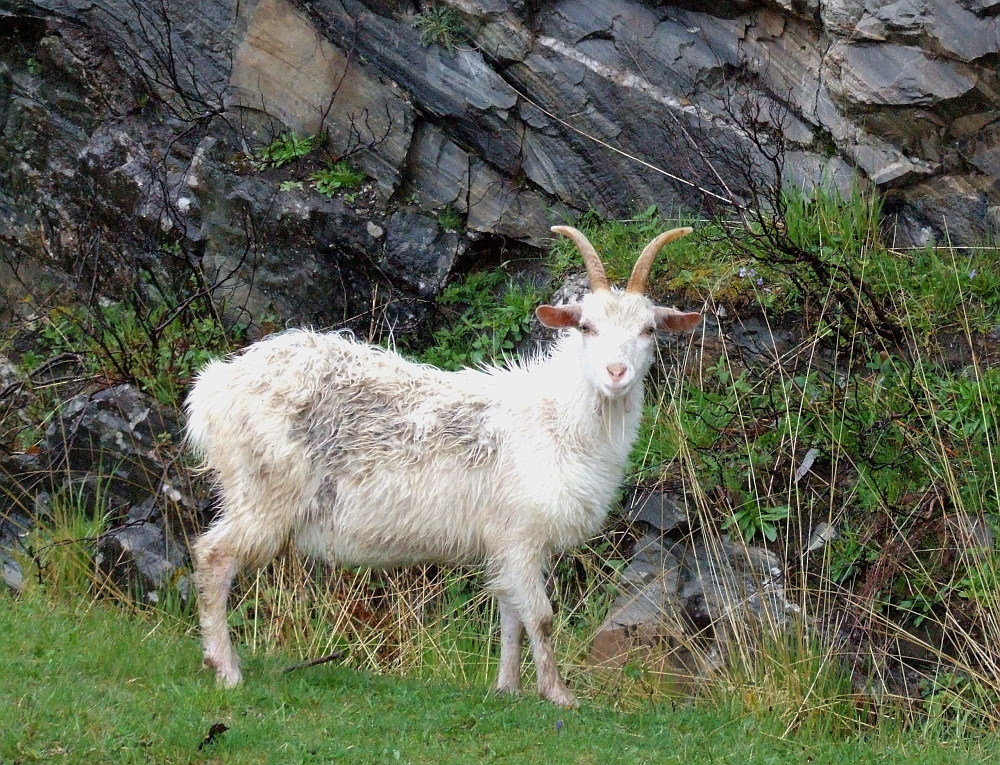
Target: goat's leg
(522, 585)
(214, 572)
(511, 631)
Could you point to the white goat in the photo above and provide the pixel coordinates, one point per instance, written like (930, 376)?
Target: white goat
(357, 456)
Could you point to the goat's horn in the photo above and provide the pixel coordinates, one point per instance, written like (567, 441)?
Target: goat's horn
(595, 269)
(640, 272)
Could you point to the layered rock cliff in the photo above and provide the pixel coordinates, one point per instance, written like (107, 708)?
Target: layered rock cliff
(130, 118)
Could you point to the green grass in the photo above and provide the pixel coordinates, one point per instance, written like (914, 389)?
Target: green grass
(95, 684)
(486, 316)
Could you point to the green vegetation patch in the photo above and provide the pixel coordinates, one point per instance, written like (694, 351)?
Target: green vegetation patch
(157, 338)
(488, 316)
(287, 147)
(441, 25)
(338, 176)
(96, 684)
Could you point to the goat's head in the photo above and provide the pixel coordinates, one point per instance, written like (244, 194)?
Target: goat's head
(617, 328)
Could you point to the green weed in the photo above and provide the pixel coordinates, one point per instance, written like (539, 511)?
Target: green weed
(490, 317)
(158, 343)
(286, 148)
(450, 219)
(339, 176)
(441, 25)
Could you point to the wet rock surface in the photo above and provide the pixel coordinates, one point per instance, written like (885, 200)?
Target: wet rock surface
(683, 593)
(538, 113)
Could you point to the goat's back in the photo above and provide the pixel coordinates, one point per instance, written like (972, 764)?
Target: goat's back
(356, 454)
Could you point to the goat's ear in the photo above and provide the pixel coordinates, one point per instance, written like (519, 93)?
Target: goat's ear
(559, 316)
(672, 320)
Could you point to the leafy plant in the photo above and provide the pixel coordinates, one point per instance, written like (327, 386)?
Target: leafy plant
(287, 147)
(442, 26)
(491, 316)
(158, 341)
(751, 521)
(449, 218)
(336, 177)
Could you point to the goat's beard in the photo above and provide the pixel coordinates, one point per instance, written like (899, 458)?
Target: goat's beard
(604, 401)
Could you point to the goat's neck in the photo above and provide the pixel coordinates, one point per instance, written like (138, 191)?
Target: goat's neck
(585, 413)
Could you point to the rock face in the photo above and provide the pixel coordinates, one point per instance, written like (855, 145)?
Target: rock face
(132, 126)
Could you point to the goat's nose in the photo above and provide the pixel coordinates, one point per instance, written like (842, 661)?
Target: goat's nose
(616, 371)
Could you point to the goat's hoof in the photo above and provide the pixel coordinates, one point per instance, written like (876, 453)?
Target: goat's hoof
(228, 679)
(225, 676)
(560, 696)
(507, 689)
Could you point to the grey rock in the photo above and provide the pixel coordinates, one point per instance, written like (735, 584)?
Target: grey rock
(103, 454)
(886, 165)
(689, 595)
(420, 252)
(552, 109)
(285, 68)
(114, 432)
(10, 570)
(759, 340)
(461, 91)
(947, 210)
(113, 450)
(979, 142)
(142, 557)
(898, 75)
(981, 7)
(442, 174)
(16, 515)
(939, 26)
(659, 510)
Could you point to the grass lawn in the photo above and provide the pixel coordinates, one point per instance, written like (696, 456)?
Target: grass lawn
(92, 684)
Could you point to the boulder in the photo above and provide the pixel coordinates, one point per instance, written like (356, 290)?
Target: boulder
(19, 482)
(683, 597)
(112, 454)
(947, 210)
(142, 556)
(420, 252)
(109, 456)
(114, 433)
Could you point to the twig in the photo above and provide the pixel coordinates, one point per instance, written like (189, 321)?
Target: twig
(314, 662)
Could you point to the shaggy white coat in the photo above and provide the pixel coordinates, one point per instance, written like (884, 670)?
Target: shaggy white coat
(357, 456)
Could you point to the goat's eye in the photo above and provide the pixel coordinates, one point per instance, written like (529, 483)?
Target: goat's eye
(587, 328)
(649, 331)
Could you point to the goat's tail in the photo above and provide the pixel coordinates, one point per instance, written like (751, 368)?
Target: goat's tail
(203, 407)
